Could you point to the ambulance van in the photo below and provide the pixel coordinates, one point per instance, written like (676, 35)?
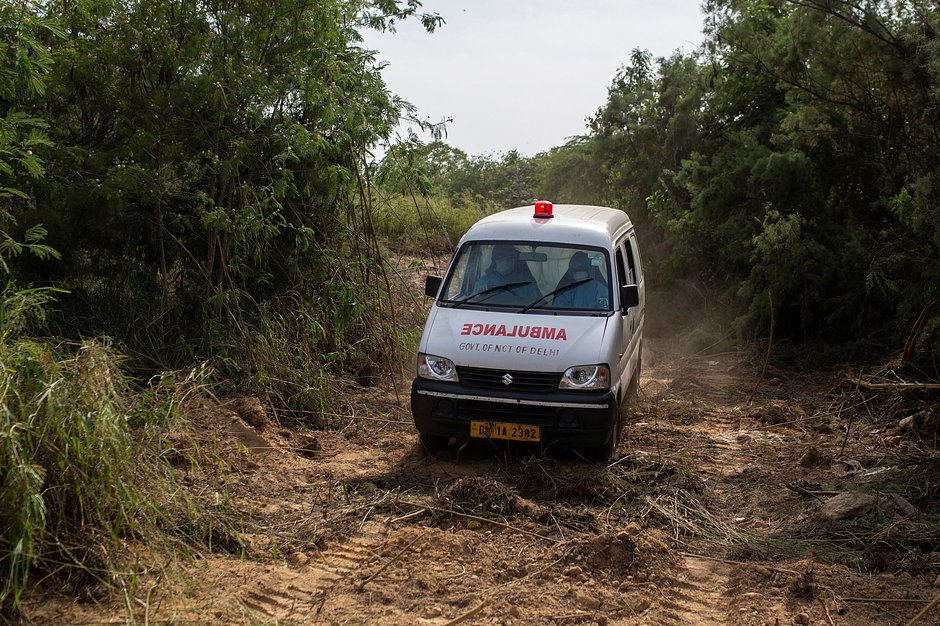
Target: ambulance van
(535, 333)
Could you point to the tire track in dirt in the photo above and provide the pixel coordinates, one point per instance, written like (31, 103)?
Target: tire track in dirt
(697, 596)
(695, 408)
(300, 592)
(698, 403)
(277, 604)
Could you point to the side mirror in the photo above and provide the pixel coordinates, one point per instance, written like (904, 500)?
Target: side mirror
(629, 296)
(432, 284)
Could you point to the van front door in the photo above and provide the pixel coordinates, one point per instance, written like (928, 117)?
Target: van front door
(627, 275)
(627, 318)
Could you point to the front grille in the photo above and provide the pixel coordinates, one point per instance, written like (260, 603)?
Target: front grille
(498, 412)
(480, 378)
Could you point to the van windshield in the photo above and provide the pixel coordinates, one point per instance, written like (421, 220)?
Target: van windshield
(529, 276)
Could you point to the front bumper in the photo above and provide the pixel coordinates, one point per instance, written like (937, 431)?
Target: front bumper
(569, 418)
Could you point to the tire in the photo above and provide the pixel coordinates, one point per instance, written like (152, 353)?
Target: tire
(432, 444)
(604, 452)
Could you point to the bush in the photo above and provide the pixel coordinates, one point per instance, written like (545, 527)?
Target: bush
(80, 459)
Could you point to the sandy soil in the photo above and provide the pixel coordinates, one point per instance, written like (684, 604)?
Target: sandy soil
(718, 509)
(712, 513)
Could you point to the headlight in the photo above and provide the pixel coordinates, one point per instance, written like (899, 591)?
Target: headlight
(586, 377)
(436, 368)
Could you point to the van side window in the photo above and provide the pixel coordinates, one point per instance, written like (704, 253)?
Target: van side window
(634, 258)
(631, 264)
(622, 277)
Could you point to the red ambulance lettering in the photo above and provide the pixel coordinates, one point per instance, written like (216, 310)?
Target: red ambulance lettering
(500, 330)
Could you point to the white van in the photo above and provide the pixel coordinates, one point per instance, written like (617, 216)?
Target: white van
(535, 332)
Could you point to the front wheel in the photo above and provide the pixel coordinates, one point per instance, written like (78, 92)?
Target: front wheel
(432, 444)
(604, 452)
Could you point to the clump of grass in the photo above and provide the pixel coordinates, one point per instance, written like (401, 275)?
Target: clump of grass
(482, 496)
(877, 542)
(83, 476)
(689, 516)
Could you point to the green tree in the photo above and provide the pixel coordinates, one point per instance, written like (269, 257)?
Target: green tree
(850, 134)
(795, 155)
(571, 173)
(24, 64)
(650, 124)
(209, 159)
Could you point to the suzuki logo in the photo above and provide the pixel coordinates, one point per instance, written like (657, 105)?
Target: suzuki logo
(507, 379)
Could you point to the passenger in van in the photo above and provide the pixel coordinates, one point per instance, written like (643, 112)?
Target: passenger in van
(590, 294)
(507, 269)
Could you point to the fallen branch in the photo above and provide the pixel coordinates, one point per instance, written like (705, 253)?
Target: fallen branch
(888, 600)
(923, 611)
(361, 585)
(895, 386)
(807, 492)
(485, 520)
(468, 614)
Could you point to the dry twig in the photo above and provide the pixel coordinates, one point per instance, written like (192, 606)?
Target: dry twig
(469, 614)
(924, 611)
(485, 520)
(741, 563)
(848, 427)
(806, 492)
(911, 343)
(895, 386)
(390, 561)
(770, 346)
(408, 516)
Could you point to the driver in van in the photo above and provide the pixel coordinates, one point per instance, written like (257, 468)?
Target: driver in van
(590, 294)
(507, 269)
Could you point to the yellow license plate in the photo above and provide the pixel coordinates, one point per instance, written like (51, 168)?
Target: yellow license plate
(501, 430)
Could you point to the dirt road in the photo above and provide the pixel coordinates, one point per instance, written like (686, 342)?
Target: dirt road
(715, 512)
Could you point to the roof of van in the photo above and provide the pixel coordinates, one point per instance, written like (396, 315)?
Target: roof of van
(572, 223)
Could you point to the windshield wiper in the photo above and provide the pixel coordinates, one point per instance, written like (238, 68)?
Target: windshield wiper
(491, 291)
(555, 293)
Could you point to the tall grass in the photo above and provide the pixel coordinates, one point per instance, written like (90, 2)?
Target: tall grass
(80, 461)
(289, 356)
(304, 352)
(423, 226)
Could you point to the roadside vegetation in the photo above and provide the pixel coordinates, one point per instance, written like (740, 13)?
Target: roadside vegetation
(190, 204)
(85, 462)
